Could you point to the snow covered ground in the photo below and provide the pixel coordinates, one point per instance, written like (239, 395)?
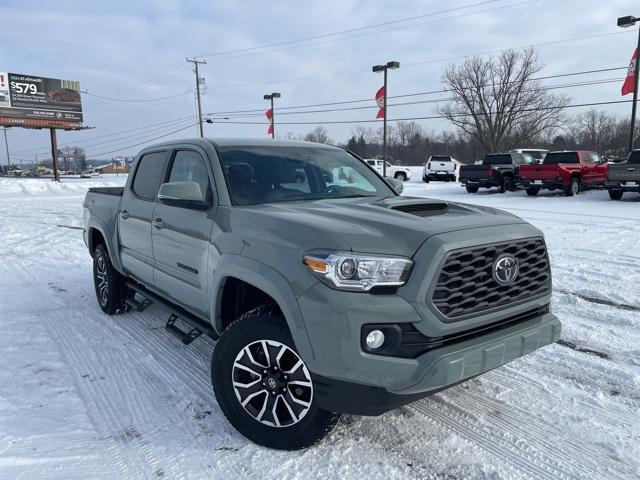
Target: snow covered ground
(83, 395)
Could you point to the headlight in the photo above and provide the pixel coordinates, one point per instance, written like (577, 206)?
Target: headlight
(360, 273)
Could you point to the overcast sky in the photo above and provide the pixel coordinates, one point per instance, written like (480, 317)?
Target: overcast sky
(134, 51)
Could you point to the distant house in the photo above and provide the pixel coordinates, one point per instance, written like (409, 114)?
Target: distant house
(110, 168)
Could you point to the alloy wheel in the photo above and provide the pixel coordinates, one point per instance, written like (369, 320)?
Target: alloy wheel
(272, 383)
(103, 284)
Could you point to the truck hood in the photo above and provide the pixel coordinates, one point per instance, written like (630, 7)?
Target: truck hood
(396, 225)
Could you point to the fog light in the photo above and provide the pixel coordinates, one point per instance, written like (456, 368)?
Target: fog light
(375, 339)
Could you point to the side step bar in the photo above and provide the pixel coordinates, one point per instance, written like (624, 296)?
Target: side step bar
(197, 326)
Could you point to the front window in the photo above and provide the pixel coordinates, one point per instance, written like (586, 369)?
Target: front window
(265, 174)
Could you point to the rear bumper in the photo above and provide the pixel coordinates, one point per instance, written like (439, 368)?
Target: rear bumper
(439, 175)
(445, 367)
(546, 184)
(620, 185)
(480, 182)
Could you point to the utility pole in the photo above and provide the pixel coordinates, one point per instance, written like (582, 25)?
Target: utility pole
(6, 145)
(199, 81)
(384, 68)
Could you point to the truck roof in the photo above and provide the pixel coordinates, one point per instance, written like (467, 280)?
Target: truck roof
(241, 142)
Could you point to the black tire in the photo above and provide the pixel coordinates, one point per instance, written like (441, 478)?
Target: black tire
(506, 184)
(472, 188)
(615, 194)
(532, 191)
(401, 176)
(265, 323)
(426, 179)
(110, 285)
(573, 188)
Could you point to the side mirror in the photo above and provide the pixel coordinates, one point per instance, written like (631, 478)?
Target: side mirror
(397, 185)
(183, 194)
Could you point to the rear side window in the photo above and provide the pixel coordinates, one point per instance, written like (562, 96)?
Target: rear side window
(439, 158)
(149, 175)
(503, 159)
(554, 158)
(634, 157)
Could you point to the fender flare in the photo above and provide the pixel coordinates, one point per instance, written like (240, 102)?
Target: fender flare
(270, 281)
(111, 242)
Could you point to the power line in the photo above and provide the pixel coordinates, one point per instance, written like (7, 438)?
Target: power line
(342, 32)
(432, 117)
(132, 100)
(146, 141)
(259, 112)
(435, 60)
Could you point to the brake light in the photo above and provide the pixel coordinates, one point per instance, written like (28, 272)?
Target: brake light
(429, 166)
(490, 171)
(455, 167)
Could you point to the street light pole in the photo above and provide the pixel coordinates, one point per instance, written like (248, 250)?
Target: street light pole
(270, 97)
(6, 145)
(384, 68)
(625, 22)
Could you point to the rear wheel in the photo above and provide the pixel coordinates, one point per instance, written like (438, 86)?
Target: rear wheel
(401, 176)
(111, 287)
(506, 185)
(532, 191)
(472, 188)
(264, 387)
(615, 194)
(573, 188)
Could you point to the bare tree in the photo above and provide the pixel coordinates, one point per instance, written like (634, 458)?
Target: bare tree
(497, 101)
(318, 135)
(408, 132)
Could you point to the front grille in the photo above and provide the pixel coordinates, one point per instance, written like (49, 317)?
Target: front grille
(466, 285)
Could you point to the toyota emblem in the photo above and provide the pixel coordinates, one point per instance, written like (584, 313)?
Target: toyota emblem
(505, 269)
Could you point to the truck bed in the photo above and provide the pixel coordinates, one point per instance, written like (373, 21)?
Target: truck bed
(117, 191)
(474, 172)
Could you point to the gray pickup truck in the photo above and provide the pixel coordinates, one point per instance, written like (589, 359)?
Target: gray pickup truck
(624, 177)
(326, 291)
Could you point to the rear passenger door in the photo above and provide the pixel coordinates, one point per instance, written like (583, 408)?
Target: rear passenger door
(136, 213)
(181, 235)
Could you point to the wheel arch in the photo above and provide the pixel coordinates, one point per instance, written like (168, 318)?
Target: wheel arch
(96, 231)
(234, 271)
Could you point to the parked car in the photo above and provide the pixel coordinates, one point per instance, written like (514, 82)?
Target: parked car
(325, 297)
(440, 167)
(538, 154)
(624, 177)
(65, 95)
(399, 173)
(569, 171)
(499, 170)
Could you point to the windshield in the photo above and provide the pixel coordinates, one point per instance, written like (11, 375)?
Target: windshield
(265, 174)
(502, 159)
(554, 158)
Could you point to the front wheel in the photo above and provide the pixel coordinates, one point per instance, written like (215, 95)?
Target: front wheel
(506, 185)
(401, 176)
(472, 188)
(615, 194)
(264, 387)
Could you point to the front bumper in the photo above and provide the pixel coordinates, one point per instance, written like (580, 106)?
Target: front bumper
(443, 368)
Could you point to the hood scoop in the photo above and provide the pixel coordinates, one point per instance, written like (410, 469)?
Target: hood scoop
(422, 209)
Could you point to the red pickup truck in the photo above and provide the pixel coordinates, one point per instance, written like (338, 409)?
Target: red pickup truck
(570, 171)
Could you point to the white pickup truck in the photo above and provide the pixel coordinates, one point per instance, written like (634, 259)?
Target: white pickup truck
(399, 173)
(440, 167)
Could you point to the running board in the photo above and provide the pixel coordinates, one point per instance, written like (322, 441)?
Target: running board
(197, 326)
(138, 306)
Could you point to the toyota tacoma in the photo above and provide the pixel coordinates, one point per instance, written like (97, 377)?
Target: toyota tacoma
(325, 290)
(624, 177)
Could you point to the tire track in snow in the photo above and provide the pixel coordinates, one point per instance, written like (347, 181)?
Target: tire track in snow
(565, 451)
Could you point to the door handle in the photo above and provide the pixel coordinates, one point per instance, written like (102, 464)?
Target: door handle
(157, 223)
(124, 215)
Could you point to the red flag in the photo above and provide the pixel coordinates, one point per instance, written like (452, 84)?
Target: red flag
(270, 130)
(628, 85)
(269, 114)
(380, 101)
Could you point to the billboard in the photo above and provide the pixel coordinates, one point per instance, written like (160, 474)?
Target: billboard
(33, 101)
